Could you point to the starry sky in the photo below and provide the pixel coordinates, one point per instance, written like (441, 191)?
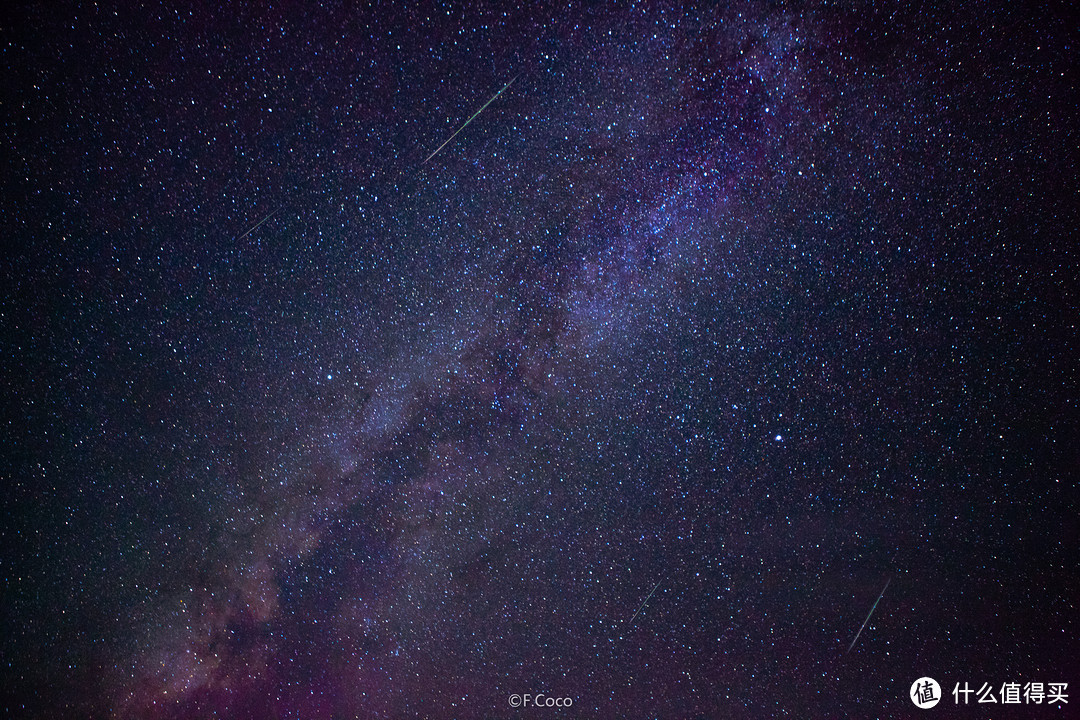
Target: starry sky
(715, 322)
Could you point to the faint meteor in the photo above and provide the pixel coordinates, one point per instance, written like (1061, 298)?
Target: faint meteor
(638, 611)
(868, 616)
(257, 225)
(469, 121)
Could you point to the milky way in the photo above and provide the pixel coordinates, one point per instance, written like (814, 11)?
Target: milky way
(333, 391)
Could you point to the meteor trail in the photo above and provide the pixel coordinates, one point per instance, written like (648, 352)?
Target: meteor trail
(256, 226)
(868, 616)
(468, 121)
(638, 611)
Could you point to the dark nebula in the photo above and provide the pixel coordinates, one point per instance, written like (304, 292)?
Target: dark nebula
(713, 323)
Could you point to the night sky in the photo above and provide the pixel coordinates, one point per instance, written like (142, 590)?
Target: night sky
(712, 325)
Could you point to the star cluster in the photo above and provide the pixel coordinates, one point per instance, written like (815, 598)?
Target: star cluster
(715, 321)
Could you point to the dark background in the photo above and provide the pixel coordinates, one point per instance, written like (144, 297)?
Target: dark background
(752, 308)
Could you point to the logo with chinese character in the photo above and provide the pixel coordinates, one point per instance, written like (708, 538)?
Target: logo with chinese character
(1035, 693)
(925, 692)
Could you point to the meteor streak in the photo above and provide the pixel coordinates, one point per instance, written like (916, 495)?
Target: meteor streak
(468, 121)
(256, 226)
(638, 611)
(868, 616)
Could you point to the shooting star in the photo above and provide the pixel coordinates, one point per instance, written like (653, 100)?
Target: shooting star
(868, 616)
(257, 225)
(469, 121)
(638, 611)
